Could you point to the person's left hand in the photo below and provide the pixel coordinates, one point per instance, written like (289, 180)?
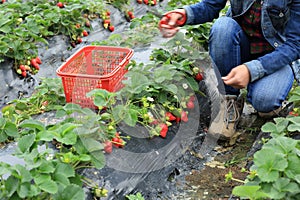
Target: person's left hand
(238, 77)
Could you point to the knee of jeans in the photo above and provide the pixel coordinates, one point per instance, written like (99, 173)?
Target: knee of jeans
(222, 25)
(265, 104)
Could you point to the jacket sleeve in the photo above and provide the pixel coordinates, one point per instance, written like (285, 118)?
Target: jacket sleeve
(285, 53)
(204, 11)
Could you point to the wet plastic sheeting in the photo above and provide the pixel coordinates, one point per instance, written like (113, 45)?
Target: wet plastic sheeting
(156, 167)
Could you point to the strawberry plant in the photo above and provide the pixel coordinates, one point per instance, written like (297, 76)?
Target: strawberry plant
(275, 173)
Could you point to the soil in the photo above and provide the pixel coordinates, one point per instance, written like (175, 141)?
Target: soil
(210, 181)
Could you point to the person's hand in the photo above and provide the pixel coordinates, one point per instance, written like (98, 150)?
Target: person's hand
(169, 22)
(238, 77)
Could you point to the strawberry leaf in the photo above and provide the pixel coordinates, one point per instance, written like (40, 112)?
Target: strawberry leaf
(269, 164)
(25, 142)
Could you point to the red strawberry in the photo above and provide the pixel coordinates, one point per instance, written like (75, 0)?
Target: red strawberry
(38, 60)
(164, 130)
(24, 73)
(130, 13)
(146, 2)
(121, 142)
(170, 117)
(111, 28)
(190, 105)
(3, 1)
(85, 33)
(139, 1)
(45, 103)
(34, 63)
(60, 5)
(106, 21)
(184, 116)
(22, 67)
(79, 40)
(115, 141)
(199, 77)
(77, 25)
(178, 119)
(108, 147)
(107, 13)
(192, 98)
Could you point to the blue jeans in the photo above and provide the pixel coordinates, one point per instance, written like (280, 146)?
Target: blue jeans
(228, 48)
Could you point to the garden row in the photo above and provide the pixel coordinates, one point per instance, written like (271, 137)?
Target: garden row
(26, 24)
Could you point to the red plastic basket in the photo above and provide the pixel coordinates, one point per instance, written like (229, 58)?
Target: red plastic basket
(93, 67)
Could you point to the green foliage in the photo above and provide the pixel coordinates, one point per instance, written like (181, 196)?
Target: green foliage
(275, 173)
(137, 196)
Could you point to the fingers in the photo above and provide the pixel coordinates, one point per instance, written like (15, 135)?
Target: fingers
(169, 32)
(169, 22)
(238, 77)
(174, 16)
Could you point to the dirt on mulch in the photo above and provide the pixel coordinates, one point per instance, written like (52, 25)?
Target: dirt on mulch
(210, 182)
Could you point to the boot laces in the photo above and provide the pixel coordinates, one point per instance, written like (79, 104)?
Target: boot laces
(232, 113)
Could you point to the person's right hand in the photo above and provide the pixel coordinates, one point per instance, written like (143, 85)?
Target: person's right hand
(169, 22)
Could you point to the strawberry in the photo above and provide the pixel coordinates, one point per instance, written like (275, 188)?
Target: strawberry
(24, 74)
(192, 98)
(105, 25)
(60, 5)
(22, 67)
(34, 63)
(87, 23)
(111, 28)
(164, 130)
(77, 25)
(292, 113)
(38, 60)
(146, 2)
(118, 141)
(115, 141)
(121, 142)
(153, 122)
(130, 13)
(85, 33)
(152, 3)
(37, 67)
(108, 147)
(73, 44)
(170, 117)
(178, 119)
(139, 1)
(199, 77)
(79, 40)
(45, 103)
(190, 105)
(184, 117)
(106, 21)
(27, 68)
(107, 13)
